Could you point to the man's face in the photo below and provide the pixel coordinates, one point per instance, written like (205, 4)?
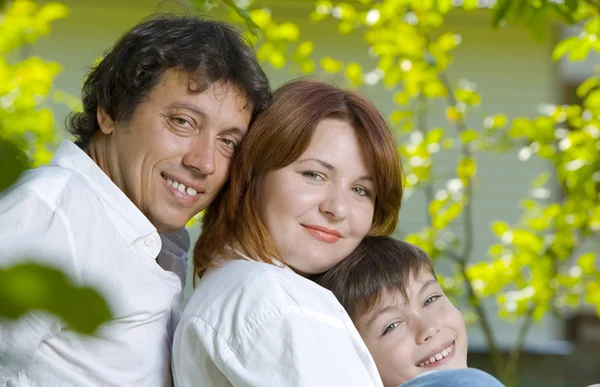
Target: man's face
(172, 156)
(409, 337)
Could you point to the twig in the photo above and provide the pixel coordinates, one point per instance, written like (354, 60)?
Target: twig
(465, 257)
(513, 359)
(422, 127)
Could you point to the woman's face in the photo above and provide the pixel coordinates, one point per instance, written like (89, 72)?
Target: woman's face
(319, 208)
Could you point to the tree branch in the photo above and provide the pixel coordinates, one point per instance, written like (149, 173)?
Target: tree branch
(513, 358)
(422, 127)
(468, 208)
(484, 321)
(465, 257)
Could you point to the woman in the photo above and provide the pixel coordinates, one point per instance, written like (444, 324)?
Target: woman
(317, 172)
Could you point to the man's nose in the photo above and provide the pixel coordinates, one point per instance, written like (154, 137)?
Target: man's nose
(201, 155)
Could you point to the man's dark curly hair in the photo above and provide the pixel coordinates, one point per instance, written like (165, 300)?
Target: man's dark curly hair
(210, 51)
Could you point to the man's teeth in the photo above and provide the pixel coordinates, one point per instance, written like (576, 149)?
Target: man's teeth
(438, 356)
(182, 188)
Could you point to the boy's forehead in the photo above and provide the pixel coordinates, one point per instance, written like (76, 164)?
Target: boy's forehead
(401, 297)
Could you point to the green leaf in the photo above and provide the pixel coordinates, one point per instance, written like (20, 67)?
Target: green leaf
(331, 65)
(470, 5)
(466, 168)
(587, 263)
(305, 48)
(468, 135)
(13, 161)
(588, 85)
(28, 286)
(500, 11)
(541, 179)
(565, 46)
(499, 228)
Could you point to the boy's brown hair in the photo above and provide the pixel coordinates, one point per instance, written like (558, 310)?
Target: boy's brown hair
(379, 264)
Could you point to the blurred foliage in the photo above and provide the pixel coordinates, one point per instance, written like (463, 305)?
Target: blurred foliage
(29, 286)
(536, 266)
(26, 130)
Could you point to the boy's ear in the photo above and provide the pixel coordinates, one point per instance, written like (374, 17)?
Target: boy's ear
(105, 122)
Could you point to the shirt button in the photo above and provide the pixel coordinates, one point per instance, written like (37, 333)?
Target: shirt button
(150, 242)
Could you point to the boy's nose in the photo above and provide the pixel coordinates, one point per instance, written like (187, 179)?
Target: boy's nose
(427, 332)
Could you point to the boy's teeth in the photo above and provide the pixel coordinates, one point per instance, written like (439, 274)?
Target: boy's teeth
(437, 356)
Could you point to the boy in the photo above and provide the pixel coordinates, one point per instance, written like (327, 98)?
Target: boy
(389, 289)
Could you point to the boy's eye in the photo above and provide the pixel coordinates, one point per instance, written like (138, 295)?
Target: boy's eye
(431, 299)
(391, 327)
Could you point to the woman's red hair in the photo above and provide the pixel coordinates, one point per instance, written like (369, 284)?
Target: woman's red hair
(278, 137)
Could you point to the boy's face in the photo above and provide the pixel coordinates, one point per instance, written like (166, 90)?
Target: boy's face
(409, 337)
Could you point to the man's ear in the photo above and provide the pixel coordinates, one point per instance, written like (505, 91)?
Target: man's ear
(105, 121)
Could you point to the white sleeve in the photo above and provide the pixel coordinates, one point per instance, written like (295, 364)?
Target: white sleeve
(289, 349)
(31, 230)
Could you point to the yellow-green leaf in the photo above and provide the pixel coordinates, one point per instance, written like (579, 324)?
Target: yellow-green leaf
(331, 65)
(466, 168)
(468, 135)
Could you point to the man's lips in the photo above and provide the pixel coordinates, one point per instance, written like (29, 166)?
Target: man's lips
(323, 233)
(187, 183)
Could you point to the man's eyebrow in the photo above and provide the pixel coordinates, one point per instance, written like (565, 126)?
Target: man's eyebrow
(187, 106)
(378, 313)
(427, 284)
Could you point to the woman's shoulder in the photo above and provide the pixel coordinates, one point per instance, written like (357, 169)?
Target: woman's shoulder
(248, 290)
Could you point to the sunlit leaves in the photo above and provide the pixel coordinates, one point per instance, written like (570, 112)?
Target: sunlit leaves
(28, 286)
(13, 160)
(25, 85)
(24, 22)
(466, 168)
(331, 65)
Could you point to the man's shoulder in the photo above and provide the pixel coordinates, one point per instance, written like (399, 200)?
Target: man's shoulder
(52, 185)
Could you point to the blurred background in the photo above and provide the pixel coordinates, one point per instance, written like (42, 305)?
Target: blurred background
(496, 108)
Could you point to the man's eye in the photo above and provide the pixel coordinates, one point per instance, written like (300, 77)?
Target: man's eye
(229, 142)
(179, 121)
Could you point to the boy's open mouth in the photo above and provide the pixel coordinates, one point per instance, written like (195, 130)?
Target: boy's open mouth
(437, 356)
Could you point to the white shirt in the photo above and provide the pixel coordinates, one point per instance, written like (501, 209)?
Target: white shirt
(255, 324)
(70, 215)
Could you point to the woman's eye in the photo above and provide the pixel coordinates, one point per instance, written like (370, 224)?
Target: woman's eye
(313, 175)
(362, 191)
(431, 299)
(391, 327)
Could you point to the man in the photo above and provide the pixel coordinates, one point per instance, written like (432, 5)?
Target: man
(162, 115)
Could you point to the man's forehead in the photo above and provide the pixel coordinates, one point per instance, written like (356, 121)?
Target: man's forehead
(198, 83)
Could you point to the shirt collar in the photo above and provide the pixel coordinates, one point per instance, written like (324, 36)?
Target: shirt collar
(127, 218)
(237, 249)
